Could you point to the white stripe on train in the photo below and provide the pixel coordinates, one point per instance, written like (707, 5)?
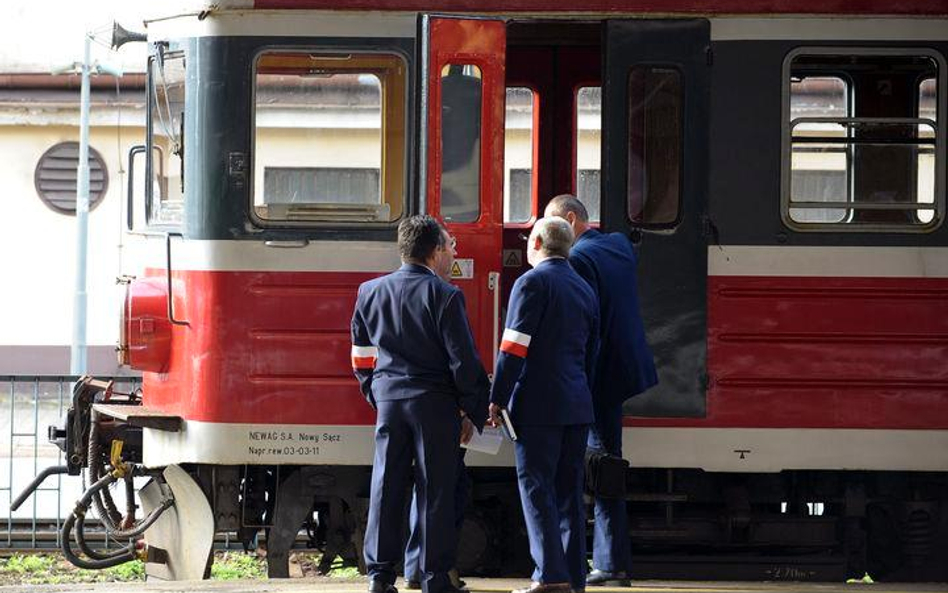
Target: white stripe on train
(711, 449)
(382, 257)
(828, 261)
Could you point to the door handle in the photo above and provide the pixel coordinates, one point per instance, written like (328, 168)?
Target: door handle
(168, 270)
(287, 244)
(493, 285)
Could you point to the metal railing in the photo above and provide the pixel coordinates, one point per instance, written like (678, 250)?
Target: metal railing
(32, 403)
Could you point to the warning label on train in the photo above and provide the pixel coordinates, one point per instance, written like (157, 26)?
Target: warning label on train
(513, 258)
(463, 268)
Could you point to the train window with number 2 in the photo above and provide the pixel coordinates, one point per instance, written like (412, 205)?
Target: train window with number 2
(860, 137)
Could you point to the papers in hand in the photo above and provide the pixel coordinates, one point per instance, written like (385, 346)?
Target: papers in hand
(507, 425)
(487, 441)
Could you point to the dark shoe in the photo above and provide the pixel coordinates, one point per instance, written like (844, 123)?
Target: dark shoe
(536, 587)
(413, 585)
(456, 581)
(600, 578)
(380, 587)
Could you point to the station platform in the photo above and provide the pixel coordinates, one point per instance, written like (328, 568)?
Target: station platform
(331, 585)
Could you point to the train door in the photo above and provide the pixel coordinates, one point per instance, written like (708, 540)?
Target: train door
(461, 156)
(552, 128)
(654, 164)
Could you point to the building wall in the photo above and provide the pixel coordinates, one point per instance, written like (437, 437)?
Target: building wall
(38, 247)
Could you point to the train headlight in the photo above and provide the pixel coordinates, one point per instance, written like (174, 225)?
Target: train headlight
(145, 335)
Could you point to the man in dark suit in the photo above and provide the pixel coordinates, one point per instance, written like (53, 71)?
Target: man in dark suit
(625, 368)
(542, 378)
(414, 356)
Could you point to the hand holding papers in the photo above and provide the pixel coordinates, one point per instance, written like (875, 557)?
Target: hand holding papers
(488, 441)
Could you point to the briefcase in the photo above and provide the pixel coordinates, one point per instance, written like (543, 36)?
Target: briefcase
(605, 474)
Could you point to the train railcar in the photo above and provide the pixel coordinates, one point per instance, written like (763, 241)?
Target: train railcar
(779, 165)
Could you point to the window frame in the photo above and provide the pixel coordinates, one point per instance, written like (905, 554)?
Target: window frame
(847, 80)
(574, 172)
(478, 165)
(151, 223)
(338, 225)
(668, 226)
(786, 141)
(918, 103)
(534, 160)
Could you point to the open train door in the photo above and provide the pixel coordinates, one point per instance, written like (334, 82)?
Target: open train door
(461, 158)
(656, 82)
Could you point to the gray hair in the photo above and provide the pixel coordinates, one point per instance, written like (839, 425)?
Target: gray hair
(564, 203)
(556, 236)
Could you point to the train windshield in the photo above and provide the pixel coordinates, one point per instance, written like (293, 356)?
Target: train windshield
(329, 137)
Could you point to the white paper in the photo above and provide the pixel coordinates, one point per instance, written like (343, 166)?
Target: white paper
(486, 442)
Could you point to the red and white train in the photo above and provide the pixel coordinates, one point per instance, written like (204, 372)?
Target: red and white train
(780, 164)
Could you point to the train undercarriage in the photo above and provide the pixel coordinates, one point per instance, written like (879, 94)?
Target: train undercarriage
(684, 524)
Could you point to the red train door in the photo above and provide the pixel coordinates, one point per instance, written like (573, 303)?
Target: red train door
(461, 156)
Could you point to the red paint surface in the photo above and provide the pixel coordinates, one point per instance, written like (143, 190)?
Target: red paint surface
(147, 329)
(274, 348)
(905, 7)
(825, 353)
(262, 347)
(483, 44)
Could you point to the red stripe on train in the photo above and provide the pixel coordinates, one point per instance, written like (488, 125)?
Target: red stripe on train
(783, 352)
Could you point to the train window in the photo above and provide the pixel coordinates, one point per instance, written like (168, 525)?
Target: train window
(165, 194)
(926, 153)
(329, 137)
(588, 140)
(518, 155)
(655, 144)
(461, 90)
(819, 172)
(860, 140)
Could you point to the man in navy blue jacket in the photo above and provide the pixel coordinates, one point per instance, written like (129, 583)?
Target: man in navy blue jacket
(414, 356)
(543, 373)
(625, 368)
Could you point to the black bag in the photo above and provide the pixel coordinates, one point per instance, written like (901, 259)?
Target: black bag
(605, 474)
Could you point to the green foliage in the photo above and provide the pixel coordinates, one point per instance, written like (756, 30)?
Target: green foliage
(231, 566)
(28, 565)
(53, 569)
(339, 570)
(130, 571)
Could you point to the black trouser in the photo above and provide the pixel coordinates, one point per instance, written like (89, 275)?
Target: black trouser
(425, 430)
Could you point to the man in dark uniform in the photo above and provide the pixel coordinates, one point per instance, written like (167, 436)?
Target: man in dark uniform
(413, 546)
(625, 368)
(543, 373)
(414, 356)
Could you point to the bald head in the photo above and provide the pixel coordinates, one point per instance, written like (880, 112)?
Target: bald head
(551, 237)
(569, 208)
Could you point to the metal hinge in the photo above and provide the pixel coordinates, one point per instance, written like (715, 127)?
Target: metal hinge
(709, 230)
